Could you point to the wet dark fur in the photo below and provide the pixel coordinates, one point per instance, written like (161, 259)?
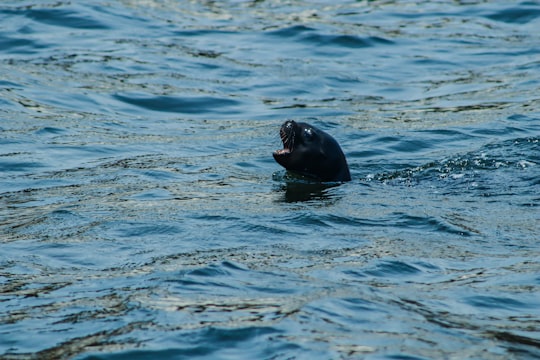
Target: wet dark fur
(312, 152)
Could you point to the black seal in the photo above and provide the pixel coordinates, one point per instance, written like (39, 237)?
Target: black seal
(311, 152)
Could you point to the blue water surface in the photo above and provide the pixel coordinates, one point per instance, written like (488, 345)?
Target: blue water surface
(142, 214)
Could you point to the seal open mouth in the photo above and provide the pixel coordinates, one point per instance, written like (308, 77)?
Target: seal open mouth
(287, 134)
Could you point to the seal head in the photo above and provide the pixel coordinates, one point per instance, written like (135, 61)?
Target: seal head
(311, 152)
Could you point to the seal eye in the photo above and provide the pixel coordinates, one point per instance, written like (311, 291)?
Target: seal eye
(308, 134)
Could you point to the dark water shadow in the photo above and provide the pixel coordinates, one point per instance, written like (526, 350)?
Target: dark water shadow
(179, 104)
(297, 188)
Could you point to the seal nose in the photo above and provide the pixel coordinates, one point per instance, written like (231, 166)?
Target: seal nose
(289, 124)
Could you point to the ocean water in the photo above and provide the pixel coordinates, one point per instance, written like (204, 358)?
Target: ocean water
(143, 217)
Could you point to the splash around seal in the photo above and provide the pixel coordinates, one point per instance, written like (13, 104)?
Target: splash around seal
(312, 152)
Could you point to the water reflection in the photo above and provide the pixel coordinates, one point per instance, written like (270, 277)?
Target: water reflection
(297, 188)
(139, 218)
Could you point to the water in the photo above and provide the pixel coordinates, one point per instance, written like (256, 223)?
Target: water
(143, 215)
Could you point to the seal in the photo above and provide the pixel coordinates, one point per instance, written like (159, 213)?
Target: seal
(311, 152)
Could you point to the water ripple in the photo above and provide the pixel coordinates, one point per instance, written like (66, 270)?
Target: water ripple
(186, 105)
(142, 214)
(517, 15)
(65, 18)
